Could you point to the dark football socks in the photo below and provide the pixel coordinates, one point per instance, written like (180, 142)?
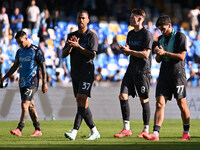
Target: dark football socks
(79, 117)
(156, 128)
(36, 125)
(146, 113)
(186, 128)
(88, 118)
(125, 109)
(20, 126)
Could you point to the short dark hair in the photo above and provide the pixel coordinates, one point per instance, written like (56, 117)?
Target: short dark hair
(139, 12)
(83, 11)
(163, 20)
(20, 34)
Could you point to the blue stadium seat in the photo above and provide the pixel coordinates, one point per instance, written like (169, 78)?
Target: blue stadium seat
(35, 31)
(93, 26)
(62, 25)
(123, 28)
(102, 60)
(123, 61)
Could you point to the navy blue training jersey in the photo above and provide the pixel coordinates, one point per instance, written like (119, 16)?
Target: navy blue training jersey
(29, 60)
(139, 41)
(175, 66)
(81, 66)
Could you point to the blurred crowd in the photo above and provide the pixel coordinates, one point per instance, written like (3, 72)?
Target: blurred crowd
(48, 22)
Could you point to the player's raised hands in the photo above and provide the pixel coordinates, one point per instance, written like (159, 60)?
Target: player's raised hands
(159, 50)
(125, 48)
(73, 42)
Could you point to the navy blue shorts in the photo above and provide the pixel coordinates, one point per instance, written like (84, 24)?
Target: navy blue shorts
(82, 86)
(169, 85)
(27, 93)
(136, 85)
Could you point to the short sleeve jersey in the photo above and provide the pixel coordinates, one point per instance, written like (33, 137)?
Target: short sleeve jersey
(81, 66)
(29, 60)
(174, 66)
(139, 41)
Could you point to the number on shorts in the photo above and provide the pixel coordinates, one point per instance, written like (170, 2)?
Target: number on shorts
(142, 89)
(86, 86)
(180, 88)
(28, 92)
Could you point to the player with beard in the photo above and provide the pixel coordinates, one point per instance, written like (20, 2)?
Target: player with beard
(82, 46)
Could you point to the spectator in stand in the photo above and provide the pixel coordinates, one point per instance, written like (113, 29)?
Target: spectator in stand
(193, 79)
(66, 67)
(42, 33)
(150, 27)
(33, 13)
(196, 45)
(17, 20)
(156, 34)
(1, 62)
(98, 76)
(117, 76)
(55, 18)
(45, 17)
(59, 53)
(198, 76)
(42, 46)
(105, 47)
(193, 16)
(4, 27)
(115, 47)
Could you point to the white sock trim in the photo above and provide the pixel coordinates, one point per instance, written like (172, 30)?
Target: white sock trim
(156, 132)
(74, 131)
(146, 128)
(126, 124)
(94, 129)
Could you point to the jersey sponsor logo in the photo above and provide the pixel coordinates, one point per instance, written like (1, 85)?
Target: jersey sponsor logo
(25, 59)
(135, 43)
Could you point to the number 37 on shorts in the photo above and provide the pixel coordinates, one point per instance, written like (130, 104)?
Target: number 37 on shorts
(86, 86)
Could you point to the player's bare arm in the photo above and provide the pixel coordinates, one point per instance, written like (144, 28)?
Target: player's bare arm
(44, 77)
(140, 54)
(175, 56)
(158, 57)
(11, 70)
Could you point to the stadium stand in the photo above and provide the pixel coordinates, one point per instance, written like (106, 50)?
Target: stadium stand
(104, 28)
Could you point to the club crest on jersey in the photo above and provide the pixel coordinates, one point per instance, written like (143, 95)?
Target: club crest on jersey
(85, 45)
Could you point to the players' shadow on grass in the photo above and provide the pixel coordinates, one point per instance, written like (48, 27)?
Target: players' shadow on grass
(99, 146)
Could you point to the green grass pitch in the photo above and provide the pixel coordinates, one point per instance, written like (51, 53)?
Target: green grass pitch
(53, 136)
